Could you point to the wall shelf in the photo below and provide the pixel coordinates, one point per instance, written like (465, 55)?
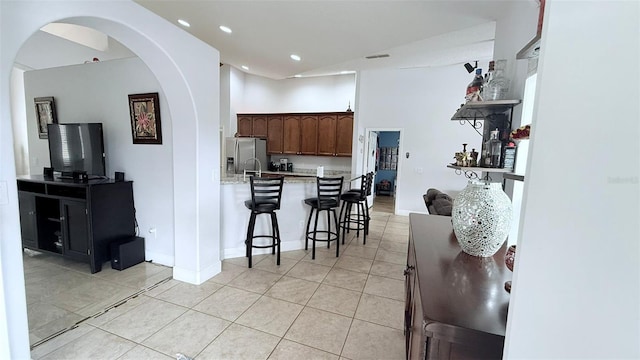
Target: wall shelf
(478, 110)
(531, 50)
(513, 176)
(471, 172)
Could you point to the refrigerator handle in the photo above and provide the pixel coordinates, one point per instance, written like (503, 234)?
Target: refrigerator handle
(236, 155)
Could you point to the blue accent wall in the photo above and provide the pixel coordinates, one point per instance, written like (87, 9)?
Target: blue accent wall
(387, 139)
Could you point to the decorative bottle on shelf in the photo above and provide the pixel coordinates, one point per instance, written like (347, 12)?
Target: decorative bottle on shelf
(474, 87)
(493, 148)
(498, 85)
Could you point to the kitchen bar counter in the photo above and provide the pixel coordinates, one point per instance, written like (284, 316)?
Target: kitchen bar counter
(289, 177)
(292, 216)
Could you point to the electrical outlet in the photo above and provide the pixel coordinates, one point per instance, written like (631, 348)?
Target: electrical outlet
(419, 170)
(152, 230)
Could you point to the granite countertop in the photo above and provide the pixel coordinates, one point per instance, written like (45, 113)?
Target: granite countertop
(289, 177)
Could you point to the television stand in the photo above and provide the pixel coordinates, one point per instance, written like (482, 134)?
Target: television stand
(77, 220)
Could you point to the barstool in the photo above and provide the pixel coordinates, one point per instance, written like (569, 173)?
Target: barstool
(265, 199)
(328, 198)
(359, 221)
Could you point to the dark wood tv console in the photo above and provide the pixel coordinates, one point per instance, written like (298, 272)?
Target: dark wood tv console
(455, 304)
(77, 220)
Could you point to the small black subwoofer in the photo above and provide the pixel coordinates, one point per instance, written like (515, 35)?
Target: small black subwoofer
(48, 173)
(119, 176)
(127, 252)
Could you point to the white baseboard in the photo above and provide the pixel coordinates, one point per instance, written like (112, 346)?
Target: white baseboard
(158, 258)
(240, 251)
(197, 277)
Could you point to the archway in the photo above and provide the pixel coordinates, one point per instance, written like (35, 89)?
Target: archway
(182, 65)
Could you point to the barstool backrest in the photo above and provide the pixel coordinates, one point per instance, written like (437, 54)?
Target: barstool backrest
(329, 189)
(266, 190)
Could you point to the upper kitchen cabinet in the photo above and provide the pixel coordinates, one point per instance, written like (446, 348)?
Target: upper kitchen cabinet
(324, 134)
(344, 135)
(252, 125)
(308, 135)
(274, 134)
(245, 123)
(301, 134)
(327, 127)
(260, 126)
(291, 136)
(335, 132)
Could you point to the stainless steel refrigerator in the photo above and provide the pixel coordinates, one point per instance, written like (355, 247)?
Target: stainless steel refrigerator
(242, 152)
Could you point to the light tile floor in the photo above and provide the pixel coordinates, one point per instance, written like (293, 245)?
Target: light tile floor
(349, 307)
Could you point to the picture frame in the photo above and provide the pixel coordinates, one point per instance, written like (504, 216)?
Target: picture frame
(144, 110)
(45, 114)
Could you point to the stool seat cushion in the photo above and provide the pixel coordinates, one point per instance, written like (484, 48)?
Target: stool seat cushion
(262, 206)
(351, 196)
(324, 204)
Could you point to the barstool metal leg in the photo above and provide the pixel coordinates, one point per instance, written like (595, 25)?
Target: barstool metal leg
(306, 233)
(315, 236)
(335, 219)
(252, 224)
(276, 240)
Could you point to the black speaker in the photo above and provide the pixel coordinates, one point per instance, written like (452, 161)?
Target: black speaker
(80, 176)
(48, 173)
(119, 176)
(127, 252)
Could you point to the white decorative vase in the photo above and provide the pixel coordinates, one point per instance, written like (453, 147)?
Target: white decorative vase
(481, 218)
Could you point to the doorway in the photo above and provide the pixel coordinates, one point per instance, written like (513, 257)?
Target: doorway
(383, 158)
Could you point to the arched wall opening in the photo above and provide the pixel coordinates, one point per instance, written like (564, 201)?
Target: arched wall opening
(188, 73)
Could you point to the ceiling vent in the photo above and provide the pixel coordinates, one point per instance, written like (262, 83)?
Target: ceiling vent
(377, 56)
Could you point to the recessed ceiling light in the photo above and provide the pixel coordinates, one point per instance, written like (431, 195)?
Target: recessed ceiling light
(245, 67)
(295, 57)
(183, 23)
(225, 29)
(297, 75)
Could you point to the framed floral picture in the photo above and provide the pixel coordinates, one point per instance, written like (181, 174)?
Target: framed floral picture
(145, 118)
(45, 114)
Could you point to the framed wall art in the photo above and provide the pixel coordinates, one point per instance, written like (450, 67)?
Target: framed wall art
(45, 114)
(145, 118)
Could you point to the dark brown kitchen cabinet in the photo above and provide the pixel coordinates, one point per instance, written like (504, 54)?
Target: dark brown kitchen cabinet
(344, 135)
(335, 134)
(309, 135)
(301, 134)
(324, 134)
(327, 127)
(274, 135)
(77, 220)
(455, 303)
(291, 129)
(260, 126)
(252, 125)
(245, 124)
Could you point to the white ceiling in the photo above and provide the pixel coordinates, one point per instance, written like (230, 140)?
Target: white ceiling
(334, 36)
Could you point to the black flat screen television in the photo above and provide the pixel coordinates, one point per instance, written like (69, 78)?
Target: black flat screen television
(77, 147)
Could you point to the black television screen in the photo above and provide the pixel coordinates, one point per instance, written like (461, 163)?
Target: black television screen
(77, 147)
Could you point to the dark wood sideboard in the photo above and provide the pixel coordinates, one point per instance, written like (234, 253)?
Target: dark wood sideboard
(455, 304)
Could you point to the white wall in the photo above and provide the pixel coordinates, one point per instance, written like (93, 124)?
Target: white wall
(314, 94)
(98, 92)
(420, 102)
(576, 285)
(192, 90)
(62, 52)
(19, 122)
(255, 94)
